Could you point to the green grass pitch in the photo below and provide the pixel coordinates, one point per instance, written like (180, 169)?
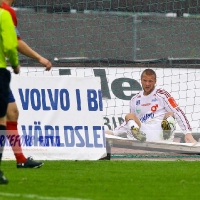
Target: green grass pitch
(102, 180)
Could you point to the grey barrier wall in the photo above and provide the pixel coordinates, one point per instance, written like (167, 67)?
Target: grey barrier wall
(160, 6)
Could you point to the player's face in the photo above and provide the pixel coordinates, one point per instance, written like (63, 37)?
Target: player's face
(148, 83)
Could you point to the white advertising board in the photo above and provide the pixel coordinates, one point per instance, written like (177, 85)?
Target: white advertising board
(61, 118)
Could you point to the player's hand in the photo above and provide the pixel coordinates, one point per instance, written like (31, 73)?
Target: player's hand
(16, 70)
(109, 132)
(189, 138)
(46, 63)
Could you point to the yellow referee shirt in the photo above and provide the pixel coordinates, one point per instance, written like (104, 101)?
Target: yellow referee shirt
(8, 40)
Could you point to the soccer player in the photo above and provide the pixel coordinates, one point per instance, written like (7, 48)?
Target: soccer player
(153, 114)
(8, 47)
(12, 111)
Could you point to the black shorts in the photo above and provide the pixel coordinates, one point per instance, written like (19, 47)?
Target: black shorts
(5, 77)
(11, 97)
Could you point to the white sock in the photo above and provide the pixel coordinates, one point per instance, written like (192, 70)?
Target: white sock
(131, 123)
(172, 122)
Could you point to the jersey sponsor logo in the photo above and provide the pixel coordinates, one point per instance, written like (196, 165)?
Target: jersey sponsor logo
(138, 102)
(172, 102)
(146, 104)
(154, 108)
(146, 117)
(153, 100)
(138, 110)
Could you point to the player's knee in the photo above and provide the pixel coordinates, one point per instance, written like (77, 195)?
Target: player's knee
(3, 121)
(168, 114)
(12, 112)
(130, 116)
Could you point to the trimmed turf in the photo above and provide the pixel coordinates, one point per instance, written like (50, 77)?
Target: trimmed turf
(102, 180)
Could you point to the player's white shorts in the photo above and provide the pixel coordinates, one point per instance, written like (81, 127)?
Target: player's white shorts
(153, 131)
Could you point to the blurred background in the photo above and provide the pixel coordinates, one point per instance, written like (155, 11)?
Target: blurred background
(116, 30)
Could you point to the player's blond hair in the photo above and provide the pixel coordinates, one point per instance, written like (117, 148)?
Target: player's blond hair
(149, 72)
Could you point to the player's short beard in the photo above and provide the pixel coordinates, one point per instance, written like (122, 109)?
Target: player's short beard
(151, 90)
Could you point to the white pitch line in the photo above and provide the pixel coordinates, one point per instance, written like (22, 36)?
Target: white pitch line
(34, 196)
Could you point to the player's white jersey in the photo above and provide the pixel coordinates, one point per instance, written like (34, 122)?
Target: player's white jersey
(153, 107)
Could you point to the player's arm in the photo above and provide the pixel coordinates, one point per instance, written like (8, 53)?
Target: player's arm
(183, 123)
(9, 40)
(24, 49)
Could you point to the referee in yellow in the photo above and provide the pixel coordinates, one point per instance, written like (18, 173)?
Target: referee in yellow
(8, 48)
